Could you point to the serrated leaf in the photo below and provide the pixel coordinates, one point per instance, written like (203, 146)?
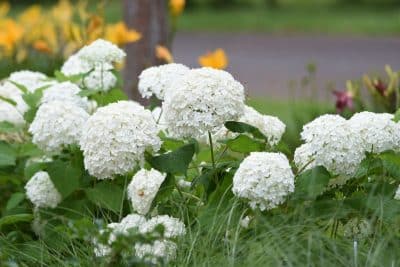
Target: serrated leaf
(176, 161)
(66, 178)
(106, 195)
(245, 144)
(311, 183)
(15, 200)
(16, 218)
(8, 155)
(241, 127)
(391, 163)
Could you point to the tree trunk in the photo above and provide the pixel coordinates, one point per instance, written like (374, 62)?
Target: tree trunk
(150, 18)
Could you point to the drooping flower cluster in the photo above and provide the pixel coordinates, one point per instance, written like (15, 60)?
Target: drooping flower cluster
(158, 79)
(143, 189)
(163, 248)
(270, 126)
(203, 100)
(377, 130)
(8, 113)
(57, 124)
(30, 79)
(265, 179)
(115, 138)
(96, 78)
(331, 142)
(65, 92)
(41, 191)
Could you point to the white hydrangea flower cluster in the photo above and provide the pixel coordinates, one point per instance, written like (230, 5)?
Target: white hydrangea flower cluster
(143, 189)
(41, 191)
(10, 91)
(30, 79)
(265, 179)
(98, 78)
(101, 52)
(57, 124)
(377, 130)
(160, 249)
(304, 157)
(158, 79)
(331, 142)
(65, 92)
(8, 113)
(164, 248)
(203, 100)
(270, 126)
(115, 138)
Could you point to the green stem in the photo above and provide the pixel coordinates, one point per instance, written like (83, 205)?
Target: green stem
(123, 198)
(211, 149)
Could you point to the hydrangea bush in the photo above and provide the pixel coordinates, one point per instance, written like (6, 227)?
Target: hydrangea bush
(130, 182)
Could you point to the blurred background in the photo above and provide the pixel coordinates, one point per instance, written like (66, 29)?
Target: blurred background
(296, 58)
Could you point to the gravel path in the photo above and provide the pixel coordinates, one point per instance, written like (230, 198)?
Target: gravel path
(266, 64)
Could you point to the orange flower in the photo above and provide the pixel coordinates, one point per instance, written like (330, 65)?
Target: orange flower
(164, 54)
(216, 59)
(42, 46)
(119, 34)
(10, 34)
(176, 7)
(95, 28)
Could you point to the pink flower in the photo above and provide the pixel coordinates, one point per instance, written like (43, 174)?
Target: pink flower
(344, 99)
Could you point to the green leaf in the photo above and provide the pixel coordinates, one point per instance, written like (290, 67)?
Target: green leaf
(15, 200)
(109, 97)
(16, 218)
(391, 163)
(66, 178)
(245, 144)
(61, 77)
(241, 127)
(311, 183)
(7, 127)
(106, 195)
(29, 150)
(10, 101)
(370, 165)
(19, 86)
(33, 168)
(176, 161)
(396, 117)
(8, 155)
(166, 188)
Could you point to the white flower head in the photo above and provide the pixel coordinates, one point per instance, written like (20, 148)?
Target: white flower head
(265, 179)
(333, 143)
(65, 92)
(159, 250)
(377, 130)
(270, 126)
(101, 52)
(57, 124)
(397, 194)
(158, 79)
(173, 227)
(10, 91)
(116, 137)
(30, 79)
(98, 78)
(304, 157)
(143, 189)
(202, 101)
(10, 114)
(41, 191)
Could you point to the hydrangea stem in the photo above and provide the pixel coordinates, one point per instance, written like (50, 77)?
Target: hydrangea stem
(211, 149)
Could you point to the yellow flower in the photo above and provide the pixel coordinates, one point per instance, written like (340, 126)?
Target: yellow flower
(120, 35)
(62, 12)
(216, 59)
(95, 28)
(4, 8)
(42, 46)
(31, 16)
(10, 34)
(164, 54)
(176, 7)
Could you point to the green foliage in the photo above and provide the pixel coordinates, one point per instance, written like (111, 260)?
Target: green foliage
(311, 183)
(106, 195)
